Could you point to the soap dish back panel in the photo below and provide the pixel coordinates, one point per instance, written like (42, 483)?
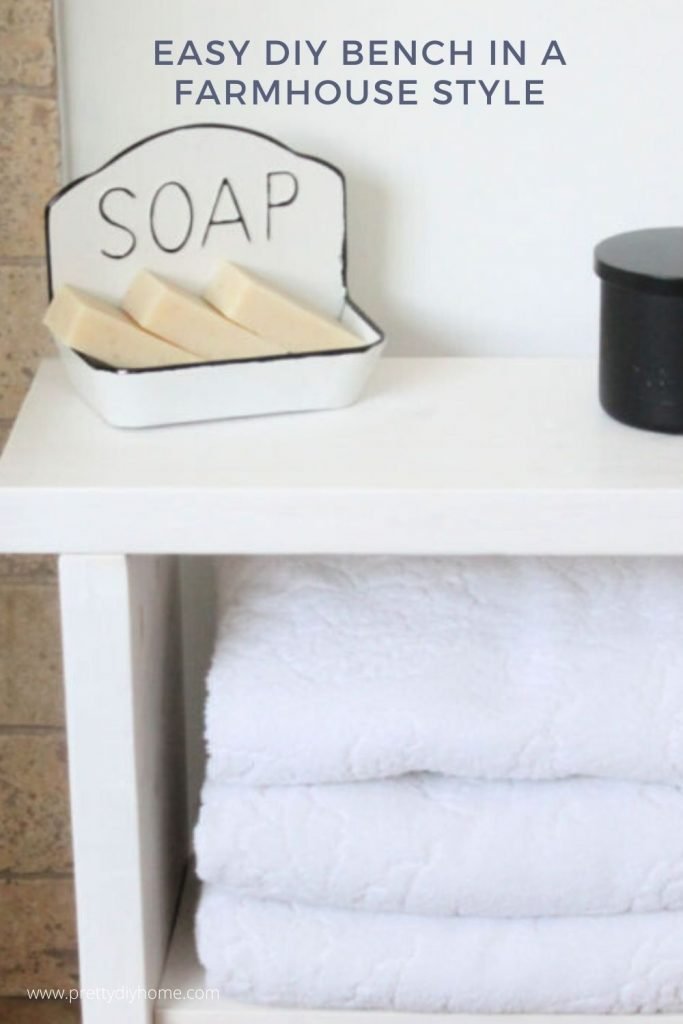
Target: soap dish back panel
(181, 201)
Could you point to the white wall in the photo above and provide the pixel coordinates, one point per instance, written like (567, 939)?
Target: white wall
(470, 229)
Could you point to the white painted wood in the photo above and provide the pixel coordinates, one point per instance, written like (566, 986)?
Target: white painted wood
(126, 766)
(444, 456)
(186, 1000)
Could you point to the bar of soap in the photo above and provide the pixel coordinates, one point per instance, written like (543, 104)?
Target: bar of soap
(244, 298)
(186, 320)
(99, 329)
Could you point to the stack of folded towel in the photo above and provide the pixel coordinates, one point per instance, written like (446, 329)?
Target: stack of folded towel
(445, 785)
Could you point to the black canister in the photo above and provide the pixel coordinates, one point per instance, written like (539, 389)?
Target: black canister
(641, 333)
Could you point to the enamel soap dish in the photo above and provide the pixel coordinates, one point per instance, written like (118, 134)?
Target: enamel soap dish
(179, 203)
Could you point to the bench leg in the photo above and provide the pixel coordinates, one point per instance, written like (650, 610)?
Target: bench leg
(123, 679)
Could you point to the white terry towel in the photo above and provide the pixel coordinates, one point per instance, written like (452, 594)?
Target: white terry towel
(439, 846)
(288, 955)
(339, 669)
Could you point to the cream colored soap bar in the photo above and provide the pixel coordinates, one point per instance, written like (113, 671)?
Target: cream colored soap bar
(191, 323)
(244, 298)
(99, 329)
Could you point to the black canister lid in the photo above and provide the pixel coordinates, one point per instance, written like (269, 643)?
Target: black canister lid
(650, 260)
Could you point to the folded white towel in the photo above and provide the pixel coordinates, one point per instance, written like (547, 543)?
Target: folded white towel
(337, 669)
(279, 953)
(432, 845)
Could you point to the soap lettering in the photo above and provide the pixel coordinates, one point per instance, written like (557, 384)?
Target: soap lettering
(153, 218)
(271, 191)
(117, 224)
(238, 217)
(172, 213)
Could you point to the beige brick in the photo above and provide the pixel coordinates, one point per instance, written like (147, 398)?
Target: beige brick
(25, 15)
(27, 568)
(29, 166)
(23, 340)
(37, 935)
(30, 666)
(34, 804)
(26, 52)
(28, 1011)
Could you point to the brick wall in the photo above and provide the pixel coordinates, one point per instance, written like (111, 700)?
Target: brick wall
(37, 931)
